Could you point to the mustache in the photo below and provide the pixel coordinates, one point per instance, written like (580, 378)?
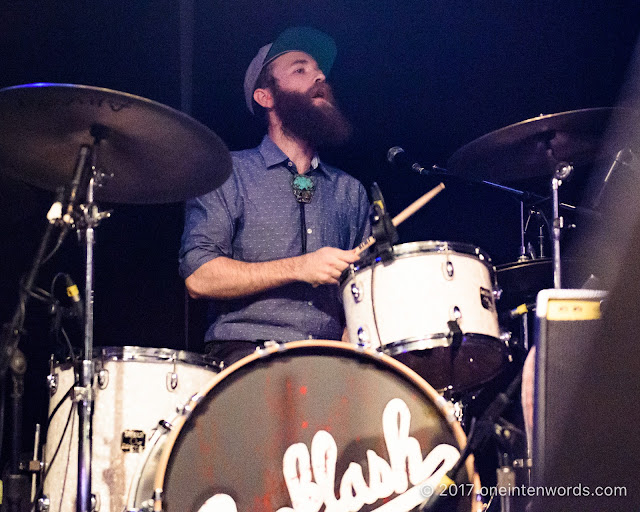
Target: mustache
(321, 90)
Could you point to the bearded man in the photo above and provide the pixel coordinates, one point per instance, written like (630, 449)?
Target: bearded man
(267, 248)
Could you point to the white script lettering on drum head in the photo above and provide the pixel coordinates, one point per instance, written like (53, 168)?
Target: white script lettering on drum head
(310, 476)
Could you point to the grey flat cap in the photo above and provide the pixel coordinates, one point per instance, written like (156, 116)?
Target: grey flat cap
(304, 39)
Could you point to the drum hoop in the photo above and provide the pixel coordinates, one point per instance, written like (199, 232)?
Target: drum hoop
(425, 247)
(152, 354)
(407, 372)
(148, 355)
(424, 342)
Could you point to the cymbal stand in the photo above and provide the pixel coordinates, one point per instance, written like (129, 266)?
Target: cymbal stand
(562, 172)
(86, 220)
(523, 248)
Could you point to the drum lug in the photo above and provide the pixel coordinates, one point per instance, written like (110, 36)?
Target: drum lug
(448, 270)
(52, 383)
(172, 381)
(357, 293)
(172, 377)
(44, 503)
(363, 336)
(103, 378)
(103, 373)
(52, 378)
(497, 293)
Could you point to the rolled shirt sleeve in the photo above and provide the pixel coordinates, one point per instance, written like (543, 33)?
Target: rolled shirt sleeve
(208, 227)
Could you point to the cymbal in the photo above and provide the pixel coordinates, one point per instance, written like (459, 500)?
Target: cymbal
(155, 153)
(532, 148)
(521, 281)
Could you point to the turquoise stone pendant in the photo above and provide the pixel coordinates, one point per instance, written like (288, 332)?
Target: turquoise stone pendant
(303, 188)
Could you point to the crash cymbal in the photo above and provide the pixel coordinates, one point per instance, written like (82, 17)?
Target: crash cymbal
(155, 153)
(532, 148)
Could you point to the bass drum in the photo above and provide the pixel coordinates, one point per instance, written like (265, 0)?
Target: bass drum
(307, 424)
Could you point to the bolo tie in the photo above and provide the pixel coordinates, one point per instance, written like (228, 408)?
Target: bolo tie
(303, 187)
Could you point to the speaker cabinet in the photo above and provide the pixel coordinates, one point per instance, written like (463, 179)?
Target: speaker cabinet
(585, 433)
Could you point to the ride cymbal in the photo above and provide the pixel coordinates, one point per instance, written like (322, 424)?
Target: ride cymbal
(532, 148)
(155, 153)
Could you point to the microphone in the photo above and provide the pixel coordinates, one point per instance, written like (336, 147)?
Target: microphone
(81, 163)
(74, 294)
(399, 157)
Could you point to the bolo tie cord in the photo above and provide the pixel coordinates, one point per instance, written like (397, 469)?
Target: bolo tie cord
(303, 187)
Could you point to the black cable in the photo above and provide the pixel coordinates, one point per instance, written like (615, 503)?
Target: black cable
(57, 450)
(55, 249)
(59, 404)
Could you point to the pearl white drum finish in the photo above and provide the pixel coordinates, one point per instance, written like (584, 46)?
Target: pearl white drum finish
(297, 426)
(414, 301)
(134, 388)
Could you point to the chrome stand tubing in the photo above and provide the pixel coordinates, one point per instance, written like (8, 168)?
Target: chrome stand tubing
(84, 394)
(557, 229)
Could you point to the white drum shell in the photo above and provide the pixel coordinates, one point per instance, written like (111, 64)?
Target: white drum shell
(135, 388)
(413, 297)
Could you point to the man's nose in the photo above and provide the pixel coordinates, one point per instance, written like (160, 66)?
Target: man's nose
(320, 76)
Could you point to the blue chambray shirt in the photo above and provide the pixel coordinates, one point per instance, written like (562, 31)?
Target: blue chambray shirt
(255, 217)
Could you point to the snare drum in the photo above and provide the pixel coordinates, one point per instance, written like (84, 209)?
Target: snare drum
(297, 426)
(135, 388)
(432, 305)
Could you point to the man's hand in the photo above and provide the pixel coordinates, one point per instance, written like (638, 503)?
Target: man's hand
(325, 265)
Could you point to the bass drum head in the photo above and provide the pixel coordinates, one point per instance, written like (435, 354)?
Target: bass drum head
(318, 422)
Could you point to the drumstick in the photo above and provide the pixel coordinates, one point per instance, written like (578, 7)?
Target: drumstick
(404, 214)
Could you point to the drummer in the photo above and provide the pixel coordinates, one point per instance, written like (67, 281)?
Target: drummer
(267, 247)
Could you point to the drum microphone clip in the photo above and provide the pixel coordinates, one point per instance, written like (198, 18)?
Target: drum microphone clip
(382, 227)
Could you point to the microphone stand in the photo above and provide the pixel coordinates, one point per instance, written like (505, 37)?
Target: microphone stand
(522, 195)
(481, 430)
(11, 357)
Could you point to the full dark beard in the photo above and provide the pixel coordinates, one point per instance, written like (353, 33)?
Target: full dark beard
(319, 125)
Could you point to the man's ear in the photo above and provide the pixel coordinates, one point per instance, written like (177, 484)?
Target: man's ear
(263, 97)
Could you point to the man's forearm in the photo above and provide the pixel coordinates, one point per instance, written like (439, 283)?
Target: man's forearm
(225, 278)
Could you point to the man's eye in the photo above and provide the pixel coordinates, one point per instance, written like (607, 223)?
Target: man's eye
(299, 70)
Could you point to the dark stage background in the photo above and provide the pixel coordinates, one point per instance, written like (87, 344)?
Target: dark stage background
(430, 76)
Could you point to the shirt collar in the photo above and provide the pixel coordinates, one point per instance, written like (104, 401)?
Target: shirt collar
(273, 156)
